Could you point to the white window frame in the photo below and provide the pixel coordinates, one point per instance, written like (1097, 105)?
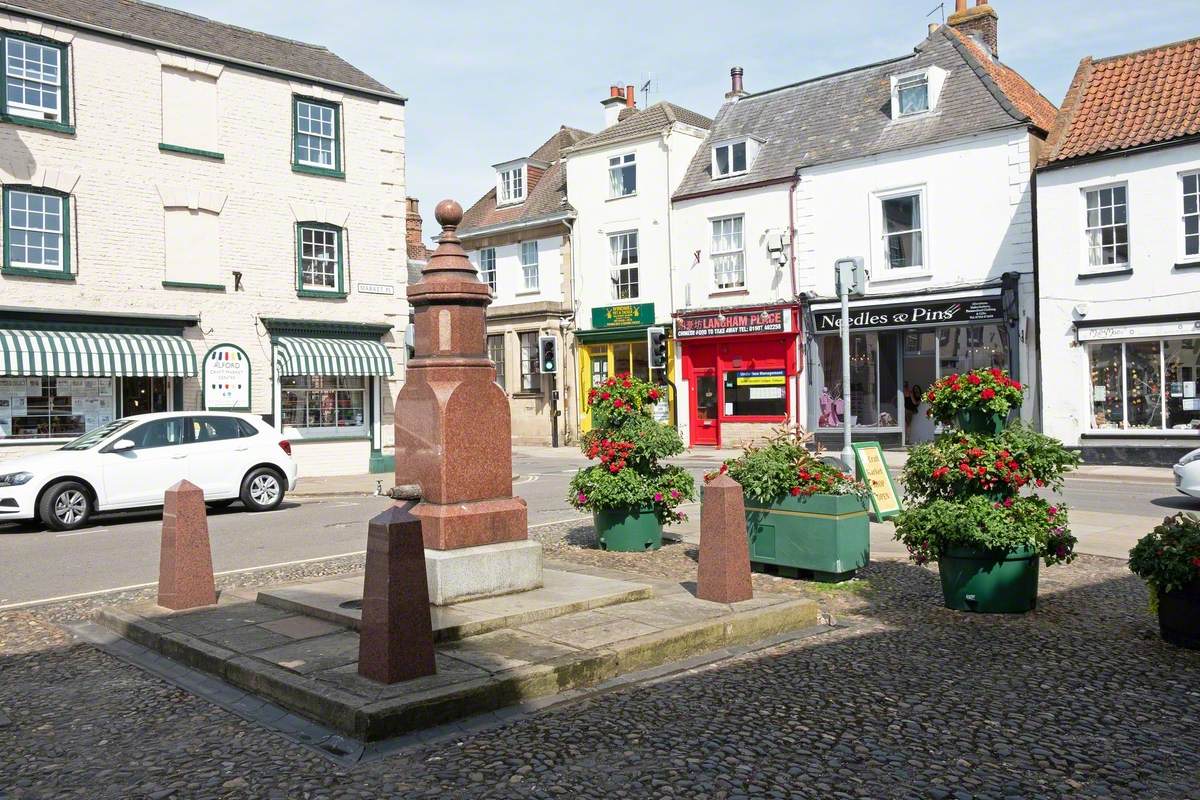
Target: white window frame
(529, 358)
(885, 271)
(1087, 266)
(1184, 256)
(529, 286)
(510, 185)
(39, 83)
(729, 145)
(322, 232)
(740, 252)
(30, 232)
(487, 267)
(617, 166)
(627, 275)
(910, 81)
(324, 141)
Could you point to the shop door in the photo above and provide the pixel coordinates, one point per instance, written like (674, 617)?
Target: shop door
(706, 429)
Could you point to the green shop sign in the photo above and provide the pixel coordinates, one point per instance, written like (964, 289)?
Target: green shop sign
(621, 316)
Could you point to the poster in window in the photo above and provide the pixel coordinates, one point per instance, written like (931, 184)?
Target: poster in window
(104, 385)
(106, 403)
(19, 405)
(91, 421)
(103, 419)
(89, 386)
(226, 378)
(77, 404)
(91, 405)
(33, 387)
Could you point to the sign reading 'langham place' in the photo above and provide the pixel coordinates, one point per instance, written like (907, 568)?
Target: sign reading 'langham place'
(769, 321)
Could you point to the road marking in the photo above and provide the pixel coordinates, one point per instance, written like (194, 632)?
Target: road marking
(81, 595)
(557, 522)
(80, 533)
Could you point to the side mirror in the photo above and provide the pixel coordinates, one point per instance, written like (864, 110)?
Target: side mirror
(122, 445)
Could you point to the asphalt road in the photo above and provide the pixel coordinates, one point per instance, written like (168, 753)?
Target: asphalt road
(120, 551)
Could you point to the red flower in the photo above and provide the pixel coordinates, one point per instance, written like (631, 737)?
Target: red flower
(795, 491)
(974, 379)
(605, 395)
(996, 373)
(975, 452)
(1196, 562)
(939, 472)
(1051, 511)
(1016, 385)
(653, 394)
(617, 403)
(987, 394)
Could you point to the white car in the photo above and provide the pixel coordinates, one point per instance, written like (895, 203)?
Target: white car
(1187, 474)
(131, 462)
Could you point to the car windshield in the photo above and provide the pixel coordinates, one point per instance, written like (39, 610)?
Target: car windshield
(96, 435)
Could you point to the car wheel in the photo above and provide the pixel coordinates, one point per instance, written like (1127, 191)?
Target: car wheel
(65, 506)
(262, 489)
(221, 503)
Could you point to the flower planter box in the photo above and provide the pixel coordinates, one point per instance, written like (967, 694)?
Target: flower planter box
(628, 530)
(1179, 616)
(974, 421)
(974, 579)
(825, 536)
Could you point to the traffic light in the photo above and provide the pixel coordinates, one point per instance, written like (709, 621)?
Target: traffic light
(656, 343)
(548, 351)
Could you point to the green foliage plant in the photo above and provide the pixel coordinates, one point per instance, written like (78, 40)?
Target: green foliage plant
(987, 390)
(1168, 558)
(783, 465)
(628, 445)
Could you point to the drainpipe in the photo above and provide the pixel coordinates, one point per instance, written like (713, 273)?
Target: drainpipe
(673, 406)
(569, 326)
(795, 296)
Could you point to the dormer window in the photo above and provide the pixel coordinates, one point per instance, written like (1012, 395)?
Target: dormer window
(511, 188)
(912, 93)
(916, 93)
(729, 159)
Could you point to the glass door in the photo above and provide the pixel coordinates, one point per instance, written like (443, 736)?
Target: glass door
(706, 429)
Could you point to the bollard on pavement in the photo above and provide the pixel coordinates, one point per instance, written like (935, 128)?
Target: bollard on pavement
(185, 571)
(724, 572)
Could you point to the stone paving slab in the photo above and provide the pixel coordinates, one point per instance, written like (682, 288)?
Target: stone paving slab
(562, 592)
(316, 676)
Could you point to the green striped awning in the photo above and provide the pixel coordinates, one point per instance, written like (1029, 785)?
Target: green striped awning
(315, 356)
(49, 353)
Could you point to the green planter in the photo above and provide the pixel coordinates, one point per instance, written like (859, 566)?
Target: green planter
(989, 582)
(823, 536)
(974, 421)
(628, 531)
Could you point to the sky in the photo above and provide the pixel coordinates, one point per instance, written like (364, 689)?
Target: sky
(490, 81)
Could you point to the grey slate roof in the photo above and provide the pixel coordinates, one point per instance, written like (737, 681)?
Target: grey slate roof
(547, 198)
(646, 121)
(847, 115)
(189, 32)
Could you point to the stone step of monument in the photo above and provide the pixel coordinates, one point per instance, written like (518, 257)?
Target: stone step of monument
(309, 666)
(339, 600)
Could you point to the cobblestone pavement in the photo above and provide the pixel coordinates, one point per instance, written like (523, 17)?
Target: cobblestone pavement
(1077, 700)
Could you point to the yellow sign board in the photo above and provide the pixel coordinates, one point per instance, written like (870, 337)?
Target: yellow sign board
(762, 377)
(872, 469)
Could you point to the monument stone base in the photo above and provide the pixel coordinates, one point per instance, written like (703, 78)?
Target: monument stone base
(488, 570)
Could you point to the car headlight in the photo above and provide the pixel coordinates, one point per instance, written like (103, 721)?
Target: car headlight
(15, 478)
(1189, 458)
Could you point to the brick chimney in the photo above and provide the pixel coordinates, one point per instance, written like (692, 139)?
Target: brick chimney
(979, 22)
(736, 91)
(417, 251)
(613, 105)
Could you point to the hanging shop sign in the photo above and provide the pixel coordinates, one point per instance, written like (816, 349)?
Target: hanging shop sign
(1138, 330)
(701, 325)
(915, 314)
(873, 471)
(226, 379)
(620, 316)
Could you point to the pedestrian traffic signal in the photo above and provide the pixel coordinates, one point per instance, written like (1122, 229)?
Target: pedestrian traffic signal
(548, 350)
(656, 343)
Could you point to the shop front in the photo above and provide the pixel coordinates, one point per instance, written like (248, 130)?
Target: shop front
(740, 372)
(1142, 399)
(61, 375)
(897, 349)
(328, 387)
(617, 344)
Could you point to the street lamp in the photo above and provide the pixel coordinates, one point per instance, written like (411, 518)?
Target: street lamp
(851, 279)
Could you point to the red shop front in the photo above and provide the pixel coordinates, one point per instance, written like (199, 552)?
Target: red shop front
(740, 366)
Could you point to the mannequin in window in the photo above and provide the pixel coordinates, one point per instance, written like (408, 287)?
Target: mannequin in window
(830, 410)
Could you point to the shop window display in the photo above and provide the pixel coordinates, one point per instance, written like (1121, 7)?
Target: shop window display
(324, 404)
(1146, 385)
(54, 408)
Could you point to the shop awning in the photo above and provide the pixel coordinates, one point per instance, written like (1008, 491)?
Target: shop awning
(319, 356)
(48, 353)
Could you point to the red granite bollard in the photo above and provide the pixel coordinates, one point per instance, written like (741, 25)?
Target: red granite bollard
(724, 573)
(185, 570)
(395, 641)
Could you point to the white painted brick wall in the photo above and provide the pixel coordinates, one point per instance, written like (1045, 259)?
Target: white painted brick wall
(118, 218)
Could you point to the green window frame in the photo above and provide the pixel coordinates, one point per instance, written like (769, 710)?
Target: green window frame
(28, 76)
(315, 246)
(316, 127)
(30, 224)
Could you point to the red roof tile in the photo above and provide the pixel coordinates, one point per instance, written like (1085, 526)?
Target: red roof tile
(1028, 100)
(1127, 101)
